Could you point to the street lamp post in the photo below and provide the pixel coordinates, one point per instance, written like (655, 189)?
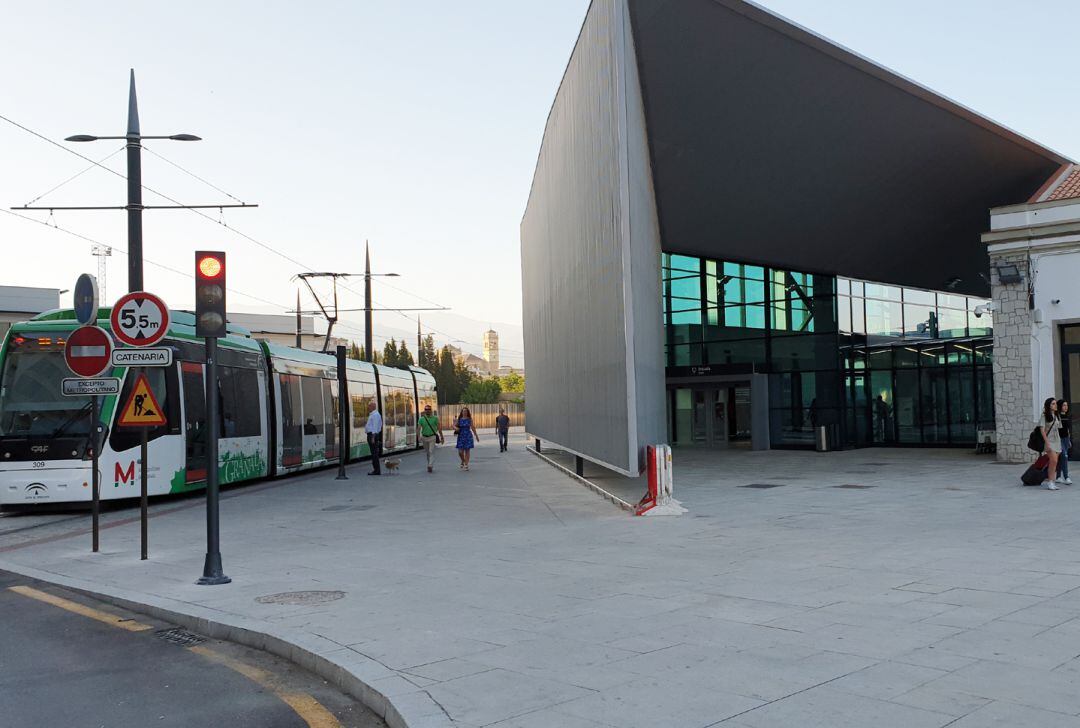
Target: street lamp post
(134, 206)
(367, 301)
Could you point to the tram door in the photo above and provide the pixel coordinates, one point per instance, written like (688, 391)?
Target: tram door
(194, 422)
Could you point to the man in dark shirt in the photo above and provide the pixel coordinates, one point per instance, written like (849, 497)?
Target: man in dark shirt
(502, 426)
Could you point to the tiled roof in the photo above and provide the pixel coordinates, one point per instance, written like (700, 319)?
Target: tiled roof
(1068, 188)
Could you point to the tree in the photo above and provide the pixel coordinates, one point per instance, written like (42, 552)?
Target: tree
(404, 356)
(446, 378)
(356, 352)
(512, 382)
(481, 391)
(390, 354)
(427, 357)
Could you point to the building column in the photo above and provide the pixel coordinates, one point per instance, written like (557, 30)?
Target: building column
(1012, 360)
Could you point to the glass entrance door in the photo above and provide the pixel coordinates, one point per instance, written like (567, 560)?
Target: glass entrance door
(701, 416)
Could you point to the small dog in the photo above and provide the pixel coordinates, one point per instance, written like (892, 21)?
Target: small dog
(391, 466)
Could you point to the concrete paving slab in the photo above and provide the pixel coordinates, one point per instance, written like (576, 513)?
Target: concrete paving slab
(831, 603)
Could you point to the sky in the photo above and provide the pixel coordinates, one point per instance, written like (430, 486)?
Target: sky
(414, 126)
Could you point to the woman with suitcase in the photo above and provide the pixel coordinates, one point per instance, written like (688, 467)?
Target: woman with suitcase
(1051, 428)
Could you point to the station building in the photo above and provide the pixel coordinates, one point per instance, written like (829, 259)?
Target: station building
(740, 232)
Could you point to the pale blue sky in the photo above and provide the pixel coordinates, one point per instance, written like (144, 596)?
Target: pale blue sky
(414, 125)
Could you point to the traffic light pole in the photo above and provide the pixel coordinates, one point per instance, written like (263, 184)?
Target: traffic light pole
(212, 570)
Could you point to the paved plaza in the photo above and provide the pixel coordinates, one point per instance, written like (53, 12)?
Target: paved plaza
(867, 588)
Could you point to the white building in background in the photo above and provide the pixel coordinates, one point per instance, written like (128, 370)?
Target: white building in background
(281, 329)
(19, 303)
(1035, 273)
(491, 350)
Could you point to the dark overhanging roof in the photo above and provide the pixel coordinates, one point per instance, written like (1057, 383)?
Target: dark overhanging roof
(770, 144)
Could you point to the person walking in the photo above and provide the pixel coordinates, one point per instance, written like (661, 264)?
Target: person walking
(1051, 429)
(466, 436)
(430, 434)
(1065, 432)
(502, 427)
(374, 428)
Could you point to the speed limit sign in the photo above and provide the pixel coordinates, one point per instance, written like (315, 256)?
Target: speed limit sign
(140, 319)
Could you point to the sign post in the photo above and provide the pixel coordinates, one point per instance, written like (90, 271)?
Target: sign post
(87, 353)
(143, 411)
(141, 319)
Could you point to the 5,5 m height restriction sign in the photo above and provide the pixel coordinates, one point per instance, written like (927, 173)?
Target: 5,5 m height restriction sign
(140, 319)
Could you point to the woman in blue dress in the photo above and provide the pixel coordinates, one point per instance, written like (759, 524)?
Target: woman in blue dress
(466, 436)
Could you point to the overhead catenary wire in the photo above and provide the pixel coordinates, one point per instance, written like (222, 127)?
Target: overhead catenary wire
(242, 234)
(74, 177)
(154, 263)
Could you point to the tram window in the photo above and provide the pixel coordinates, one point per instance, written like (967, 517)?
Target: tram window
(359, 408)
(330, 414)
(163, 383)
(311, 390)
(240, 413)
(291, 440)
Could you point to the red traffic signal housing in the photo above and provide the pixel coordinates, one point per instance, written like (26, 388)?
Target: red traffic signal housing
(210, 318)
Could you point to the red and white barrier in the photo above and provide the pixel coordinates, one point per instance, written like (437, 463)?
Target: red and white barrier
(658, 501)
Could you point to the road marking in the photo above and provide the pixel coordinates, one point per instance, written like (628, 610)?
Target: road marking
(310, 710)
(110, 619)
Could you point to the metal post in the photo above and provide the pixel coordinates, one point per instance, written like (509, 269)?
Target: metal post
(343, 410)
(579, 465)
(143, 517)
(134, 196)
(212, 570)
(538, 444)
(95, 488)
(367, 304)
(299, 338)
(419, 342)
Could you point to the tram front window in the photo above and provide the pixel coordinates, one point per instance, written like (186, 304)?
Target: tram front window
(31, 404)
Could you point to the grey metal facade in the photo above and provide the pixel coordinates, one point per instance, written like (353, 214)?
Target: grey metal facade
(715, 128)
(590, 258)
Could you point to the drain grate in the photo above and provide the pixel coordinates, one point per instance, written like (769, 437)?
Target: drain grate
(852, 486)
(301, 597)
(179, 636)
(349, 508)
(762, 485)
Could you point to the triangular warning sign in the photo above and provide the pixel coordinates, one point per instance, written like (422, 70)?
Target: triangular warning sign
(142, 408)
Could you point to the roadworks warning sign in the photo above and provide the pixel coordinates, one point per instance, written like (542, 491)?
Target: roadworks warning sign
(142, 408)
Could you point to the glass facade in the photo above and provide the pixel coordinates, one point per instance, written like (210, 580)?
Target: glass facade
(877, 364)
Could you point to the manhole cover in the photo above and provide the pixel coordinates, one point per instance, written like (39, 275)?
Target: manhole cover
(179, 636)
(349, 508)
(762, 485)
(301, 597)
(852, 486)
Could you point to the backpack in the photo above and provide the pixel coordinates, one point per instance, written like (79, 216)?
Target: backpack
(1036, 441)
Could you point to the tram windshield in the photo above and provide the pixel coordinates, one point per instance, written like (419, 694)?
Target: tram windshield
(31, 404)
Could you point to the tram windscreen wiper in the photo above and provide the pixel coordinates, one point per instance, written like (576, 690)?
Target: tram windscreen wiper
(75, 417)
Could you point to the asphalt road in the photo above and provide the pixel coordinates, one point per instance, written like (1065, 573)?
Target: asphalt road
(63, 668)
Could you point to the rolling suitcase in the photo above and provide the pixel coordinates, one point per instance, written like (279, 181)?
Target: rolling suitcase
(1036, 473)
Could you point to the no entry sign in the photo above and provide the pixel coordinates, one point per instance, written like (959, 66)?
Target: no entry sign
(140, 319)
(88, 351)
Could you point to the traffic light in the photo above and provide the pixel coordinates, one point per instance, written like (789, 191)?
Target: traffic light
(209, 294)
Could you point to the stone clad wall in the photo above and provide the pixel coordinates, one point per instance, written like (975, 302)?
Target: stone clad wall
(1012, 361)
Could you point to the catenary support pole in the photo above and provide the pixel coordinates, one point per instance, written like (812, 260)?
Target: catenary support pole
(134, 192)
(212, 569)
(343, 414)
(367, 304)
